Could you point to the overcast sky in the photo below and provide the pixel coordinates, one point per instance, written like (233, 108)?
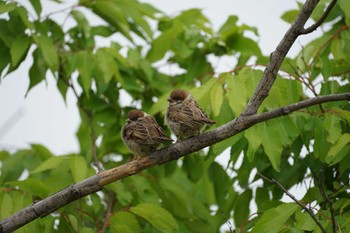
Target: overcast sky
(43, 117)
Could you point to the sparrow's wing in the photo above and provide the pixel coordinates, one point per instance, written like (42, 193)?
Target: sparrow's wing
(199, 114)
(136, 131)
(182, 113)
(155, 131)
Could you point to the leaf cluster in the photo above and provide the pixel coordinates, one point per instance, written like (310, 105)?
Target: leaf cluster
(196, 193)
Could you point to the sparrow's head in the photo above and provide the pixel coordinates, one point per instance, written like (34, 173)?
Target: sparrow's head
(135, 114)
(178, 95)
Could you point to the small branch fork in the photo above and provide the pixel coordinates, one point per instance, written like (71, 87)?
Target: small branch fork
(247, 119)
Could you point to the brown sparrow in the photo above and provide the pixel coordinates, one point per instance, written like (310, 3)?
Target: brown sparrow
(184, 116)
(142, 134)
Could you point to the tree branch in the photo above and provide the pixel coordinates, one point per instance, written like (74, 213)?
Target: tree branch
(321, 20)
(164, 155)
(304, 207)
(277, 57)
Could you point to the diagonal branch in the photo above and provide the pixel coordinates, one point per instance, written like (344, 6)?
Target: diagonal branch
(303, 206)
(164, 155)
(277, 57)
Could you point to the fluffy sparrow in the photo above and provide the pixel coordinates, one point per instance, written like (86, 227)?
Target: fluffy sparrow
(142, 134)
(184, 116)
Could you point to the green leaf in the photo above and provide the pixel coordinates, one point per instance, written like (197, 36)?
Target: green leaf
(342, 141)
(85, 66)
(113, 14)
(41, 151)
(332, 126)
(321, 145)
(5, 56)
(101, 30)
(157, 216)
(38, 70)
(241, 211)
(290, 16)
(304, 221)
(37, 6)
(124, 222)
(163, 43)
(274, 219)
(78, 167)
(344, 114)
(216, 97)
(48, 50)
(19, 49)
(7, 7)
(6, 206)
(236, 93)
(33, 186)
(194, 167)
(82, 22)
(106, 66)
(345, 6)
(50, 163)
(268, 135)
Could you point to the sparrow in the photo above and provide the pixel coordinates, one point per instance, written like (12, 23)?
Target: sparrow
(142, 134)
(184, 117)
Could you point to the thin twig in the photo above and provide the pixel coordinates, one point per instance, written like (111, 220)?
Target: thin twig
(320, 21)
(312, 215)
(110, 204)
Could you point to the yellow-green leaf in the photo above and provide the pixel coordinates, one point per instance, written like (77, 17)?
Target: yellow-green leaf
(49, 51)
(19, 49)
(50, 163)
(78, 167)
(216, 97)
(157, 216)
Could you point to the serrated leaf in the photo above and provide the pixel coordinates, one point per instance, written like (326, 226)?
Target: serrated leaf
(216, 97)
(48, 50)
(78, 167)
(50, 163)
(332, 125)
(267, 135)
(157, 216)
(19, 49)
(236, 93)
(344, 114)
(342, 141)
(6, 206)
(124, 222)
(273, 220)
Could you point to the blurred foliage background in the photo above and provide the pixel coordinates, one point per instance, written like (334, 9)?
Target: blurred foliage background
(309, 148)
